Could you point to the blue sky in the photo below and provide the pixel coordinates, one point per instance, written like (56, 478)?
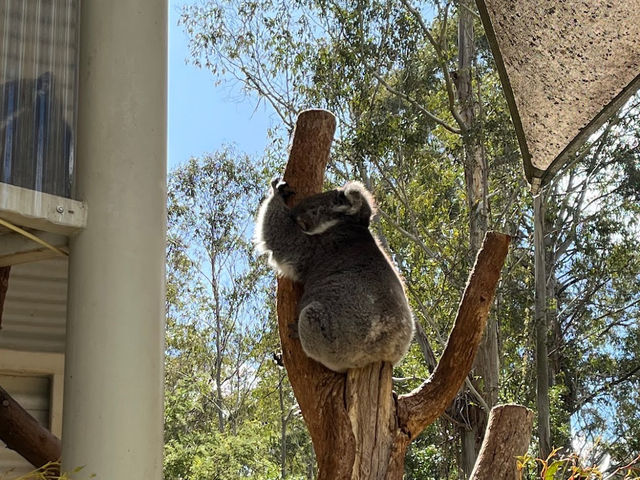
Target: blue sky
(202, 116)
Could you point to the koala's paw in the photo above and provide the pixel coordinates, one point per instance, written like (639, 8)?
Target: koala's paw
(282, 188)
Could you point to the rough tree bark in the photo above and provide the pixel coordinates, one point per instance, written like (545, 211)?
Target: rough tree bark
(508, 435)
(22, 433)
(358, 429)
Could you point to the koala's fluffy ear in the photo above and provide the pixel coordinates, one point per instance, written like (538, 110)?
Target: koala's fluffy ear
(358, 200)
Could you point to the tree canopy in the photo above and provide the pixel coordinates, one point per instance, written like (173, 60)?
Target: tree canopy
(392, 73)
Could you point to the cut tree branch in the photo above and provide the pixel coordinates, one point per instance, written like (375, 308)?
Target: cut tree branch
(507, 437)
(22, 433)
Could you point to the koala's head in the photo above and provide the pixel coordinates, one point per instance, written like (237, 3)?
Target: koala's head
(349, 204)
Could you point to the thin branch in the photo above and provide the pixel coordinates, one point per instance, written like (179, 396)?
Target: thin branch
(476, 394)
(469, 10)
(443, 64)
(423, 26)
(607, 386)
(413, 102)
(271, 97)
(425, 347)
(414, 238)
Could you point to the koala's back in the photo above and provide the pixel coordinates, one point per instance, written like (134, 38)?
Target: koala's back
(353, 310)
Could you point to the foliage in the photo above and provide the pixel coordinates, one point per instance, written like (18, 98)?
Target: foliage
(51, 471)
(387, 70)
(559, 466)
(220, 377)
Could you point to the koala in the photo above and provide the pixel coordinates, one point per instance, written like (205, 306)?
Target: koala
(354, 310)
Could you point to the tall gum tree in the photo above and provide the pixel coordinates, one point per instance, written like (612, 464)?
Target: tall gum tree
(392, 89)
(388, 74)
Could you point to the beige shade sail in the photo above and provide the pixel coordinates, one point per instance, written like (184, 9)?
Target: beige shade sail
(566, 67)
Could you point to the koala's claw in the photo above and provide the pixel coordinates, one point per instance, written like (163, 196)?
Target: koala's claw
(282, 188)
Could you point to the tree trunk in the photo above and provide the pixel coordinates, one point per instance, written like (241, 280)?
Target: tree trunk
(508, 435)
(22, 433)
(486, 365)
(358, 429)
(371, 410)
(4, 286)
(217, 374)
(475, 161)
(283, 430)
(542, 358)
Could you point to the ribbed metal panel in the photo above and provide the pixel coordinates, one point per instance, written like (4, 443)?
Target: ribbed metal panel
(33, 394)
(38, 70)
(35, 309)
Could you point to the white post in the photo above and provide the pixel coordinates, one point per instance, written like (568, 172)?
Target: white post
(114, 360)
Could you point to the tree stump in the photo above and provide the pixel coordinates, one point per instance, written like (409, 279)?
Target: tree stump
(507, 436)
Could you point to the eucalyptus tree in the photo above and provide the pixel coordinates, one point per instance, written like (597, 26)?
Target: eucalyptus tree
(593, 267)
(218, 320)
(420, 122)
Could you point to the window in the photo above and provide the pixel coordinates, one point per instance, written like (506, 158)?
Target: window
(38, 70)
(35, 380)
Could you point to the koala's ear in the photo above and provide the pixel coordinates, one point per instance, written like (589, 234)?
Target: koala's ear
(342, 199)
(359, 197)
(347, 201)
(362, 205)
(354, 193)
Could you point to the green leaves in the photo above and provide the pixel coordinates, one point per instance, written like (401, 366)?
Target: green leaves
(374, 65)
(222, 415)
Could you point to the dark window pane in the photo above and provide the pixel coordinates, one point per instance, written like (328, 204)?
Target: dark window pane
(38, 65)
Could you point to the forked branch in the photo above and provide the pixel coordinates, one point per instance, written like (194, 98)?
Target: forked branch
(339, 410)
(421, 407)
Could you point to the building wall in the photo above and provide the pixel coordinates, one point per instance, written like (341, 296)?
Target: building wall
(32, 343)
(35, 310)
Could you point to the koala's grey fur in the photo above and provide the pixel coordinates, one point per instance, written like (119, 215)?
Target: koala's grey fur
(353, 310)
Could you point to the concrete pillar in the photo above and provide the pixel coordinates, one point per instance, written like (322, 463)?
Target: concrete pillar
(114, 376)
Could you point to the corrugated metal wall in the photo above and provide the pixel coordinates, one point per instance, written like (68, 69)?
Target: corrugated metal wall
(34, 319)
(35, 310)
(33, 394)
